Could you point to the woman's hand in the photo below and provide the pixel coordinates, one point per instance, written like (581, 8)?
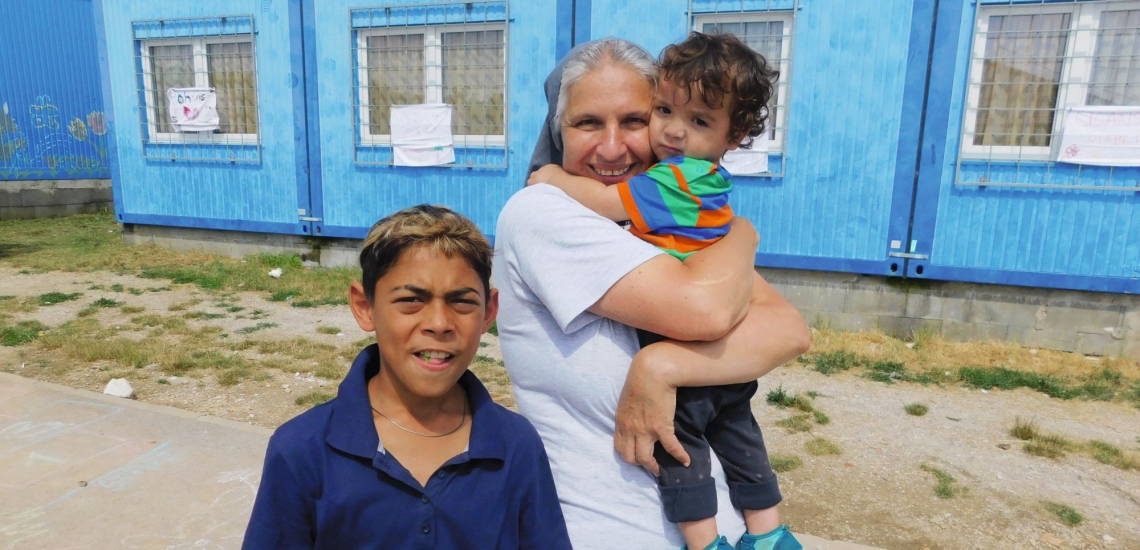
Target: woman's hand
(645, 413)
(546, 174)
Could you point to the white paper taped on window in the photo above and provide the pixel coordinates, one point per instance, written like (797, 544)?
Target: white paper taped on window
(1101, 136)
(748, 161)
(421, 135)
(193, 109)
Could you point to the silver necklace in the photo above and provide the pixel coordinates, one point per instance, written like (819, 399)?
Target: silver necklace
(462, 421)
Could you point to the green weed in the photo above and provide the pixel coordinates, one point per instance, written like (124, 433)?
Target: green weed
(116, 287)
(135, 291)
(327, 329)
(1066, 514)
(821, 419)
(820, 447)
(1024, 430)
(945, 487)
(313, 398)
(916, 409)
(20, 333)
(183, 306)
(494, 330)
(784, 463)
(1008, 379)
(833, 361)
(255, 328)
(202, 315)
(284, 295)
(796, 423)
(131, 310)
(326, 301)
(53, 298)
(101, 303)
(163, 381)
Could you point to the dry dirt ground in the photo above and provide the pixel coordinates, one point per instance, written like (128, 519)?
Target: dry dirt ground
(873, 492)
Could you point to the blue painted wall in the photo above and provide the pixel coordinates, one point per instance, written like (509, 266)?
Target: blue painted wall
(1039, 237)
(51, 110)
(354, 196)
(257, 196)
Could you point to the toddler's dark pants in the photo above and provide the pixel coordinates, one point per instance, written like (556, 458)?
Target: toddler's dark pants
(720, 418)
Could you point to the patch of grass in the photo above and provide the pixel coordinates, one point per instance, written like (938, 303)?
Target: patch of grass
(1008, 379)
(1048, 446)
(820, 447)
(820, 418)
(116, 287)
(924, 337)
(157, 288)
(163, 381)
(1024, 430)
(231, 377)
(494, 330)
(21, 333)
(255, 328)
(153, 320)
(262, 377)
(183, 306)
(483, 344)
(131, 310)
(784, 463)
(202, 315)
(135, 291)
(1107, 453)
(53, 298)
(313, 398)
(284, 295)
(101, 303)
(916, 409)
(328, 329)
(945, 487)
(207, 359)
(235, 309)
(1066, 514)
(782, 399)
(257, 314)
(796, 423)
(812, 394)
(834, 361)
(330, 370)
(96, 287)
(12, 304)
(326, 301)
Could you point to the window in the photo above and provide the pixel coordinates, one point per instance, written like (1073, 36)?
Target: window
(769, 34)
(461, 65)
(224, 63)
(1031, 62)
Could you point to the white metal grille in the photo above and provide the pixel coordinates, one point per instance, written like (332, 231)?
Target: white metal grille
(224, 58)
(459, 60)
(1029, 63)
(768, 27)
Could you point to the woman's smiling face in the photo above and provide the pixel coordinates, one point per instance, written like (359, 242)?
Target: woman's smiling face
(605, 129)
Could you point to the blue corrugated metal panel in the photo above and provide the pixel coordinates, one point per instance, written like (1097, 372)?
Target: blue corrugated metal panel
(353, 196)
(259, 196)
(196, 26)
(51, 114)
(1082, 239)
(846, 99)
(438, 14)
(728, 6)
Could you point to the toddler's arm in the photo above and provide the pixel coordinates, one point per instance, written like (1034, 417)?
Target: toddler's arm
(595, 195)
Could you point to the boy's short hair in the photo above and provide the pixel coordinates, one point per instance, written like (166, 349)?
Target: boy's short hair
(719, 65)
(438, 228)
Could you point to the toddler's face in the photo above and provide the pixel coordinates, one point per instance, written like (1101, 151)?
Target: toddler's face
(685, 126)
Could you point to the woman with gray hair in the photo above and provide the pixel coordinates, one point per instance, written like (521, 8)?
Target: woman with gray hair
(573, 288)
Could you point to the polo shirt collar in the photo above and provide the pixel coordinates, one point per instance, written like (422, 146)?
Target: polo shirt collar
(352, 430)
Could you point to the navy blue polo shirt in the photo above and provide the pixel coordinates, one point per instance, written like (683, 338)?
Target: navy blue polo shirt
(328, 483)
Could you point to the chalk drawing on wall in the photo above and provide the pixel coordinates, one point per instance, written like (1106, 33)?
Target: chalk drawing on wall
(13, 144)
(207, 530)
(44, 114)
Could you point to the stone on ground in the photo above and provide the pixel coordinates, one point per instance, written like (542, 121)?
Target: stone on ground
(119, 387)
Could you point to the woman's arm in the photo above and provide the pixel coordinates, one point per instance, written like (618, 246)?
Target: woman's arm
(701, 298)
(771, 334)
(595, 195)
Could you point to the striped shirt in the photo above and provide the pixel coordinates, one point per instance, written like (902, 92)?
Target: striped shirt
(679, 205)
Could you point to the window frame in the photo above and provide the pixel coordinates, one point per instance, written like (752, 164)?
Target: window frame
(433, 79)
(779, 126)
(1076, 73)
(201, 67)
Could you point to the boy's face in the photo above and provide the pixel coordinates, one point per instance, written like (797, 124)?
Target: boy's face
(686, 126)
(428, 313)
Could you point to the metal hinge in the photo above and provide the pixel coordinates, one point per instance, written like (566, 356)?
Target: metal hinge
(908, 256)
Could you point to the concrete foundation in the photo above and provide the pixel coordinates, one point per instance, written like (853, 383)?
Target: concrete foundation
(1091, 323)
(46, 198)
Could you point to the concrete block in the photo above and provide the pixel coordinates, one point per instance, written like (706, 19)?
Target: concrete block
(818, 297)
(336, 256)
(904, 328)
(15, 213)
(957, 331)
(850, 321)
(1084, 319)
(37, 197)
(999, 312)
(1054, 339)
(1132, 348)
(1099, 344)
(882, 300)
(9, 198)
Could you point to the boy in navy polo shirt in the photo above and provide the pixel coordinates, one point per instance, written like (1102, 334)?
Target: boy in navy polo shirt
(412, 453)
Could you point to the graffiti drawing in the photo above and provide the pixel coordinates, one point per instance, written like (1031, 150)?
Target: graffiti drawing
(44, 114)
(77, 129)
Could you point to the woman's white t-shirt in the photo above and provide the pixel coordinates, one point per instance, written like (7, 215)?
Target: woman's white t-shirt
(554, 258)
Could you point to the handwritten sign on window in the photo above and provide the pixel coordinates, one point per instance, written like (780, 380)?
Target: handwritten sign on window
(753, 160)
(1101, 136)
(421, 135)
(193, 109)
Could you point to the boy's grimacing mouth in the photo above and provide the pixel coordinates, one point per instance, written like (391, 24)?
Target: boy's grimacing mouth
(434, 359)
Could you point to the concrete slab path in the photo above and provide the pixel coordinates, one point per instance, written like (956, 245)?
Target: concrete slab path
(80, 470)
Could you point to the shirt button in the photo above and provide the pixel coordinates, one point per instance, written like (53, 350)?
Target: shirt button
(440, 474)
(426, 528)
(425, 499)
